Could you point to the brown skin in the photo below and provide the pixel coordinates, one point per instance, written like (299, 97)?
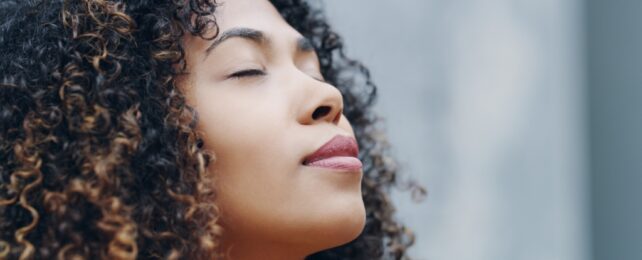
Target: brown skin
(101, 151)
(260, 127)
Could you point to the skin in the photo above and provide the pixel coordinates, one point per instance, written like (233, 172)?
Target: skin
(260, 127)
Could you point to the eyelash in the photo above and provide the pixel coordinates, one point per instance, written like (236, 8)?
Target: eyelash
(256, 73)
(246, 73)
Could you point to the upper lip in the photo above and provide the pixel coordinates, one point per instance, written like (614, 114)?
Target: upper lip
(339, 145)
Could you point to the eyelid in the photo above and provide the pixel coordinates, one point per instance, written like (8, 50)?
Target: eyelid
(246, 73)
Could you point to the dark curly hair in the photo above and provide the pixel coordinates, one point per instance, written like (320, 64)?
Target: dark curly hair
(99, 156)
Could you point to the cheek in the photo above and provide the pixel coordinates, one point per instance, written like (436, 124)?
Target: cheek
(243, 134)
(255, 158)
(249, 139)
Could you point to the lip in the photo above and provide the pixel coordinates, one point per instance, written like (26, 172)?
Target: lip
(340, 153)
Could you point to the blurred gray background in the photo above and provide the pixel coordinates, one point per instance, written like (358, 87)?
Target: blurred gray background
(520, 118)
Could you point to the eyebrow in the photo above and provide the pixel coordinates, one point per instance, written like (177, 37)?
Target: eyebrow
(303, 44)
(246, 33)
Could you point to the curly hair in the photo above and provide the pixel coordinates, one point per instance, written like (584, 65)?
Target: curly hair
(99, 153)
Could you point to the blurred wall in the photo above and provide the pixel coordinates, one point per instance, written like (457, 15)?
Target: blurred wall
(484, 105)
(614, 38)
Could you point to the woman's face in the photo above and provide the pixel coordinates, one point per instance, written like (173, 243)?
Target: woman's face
(263, 108)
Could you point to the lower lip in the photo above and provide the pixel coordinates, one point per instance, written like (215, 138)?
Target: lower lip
(338, 163)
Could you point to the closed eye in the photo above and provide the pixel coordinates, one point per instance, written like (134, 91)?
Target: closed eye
(246, 73)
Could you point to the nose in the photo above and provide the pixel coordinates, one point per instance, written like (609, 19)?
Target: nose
(324, 104)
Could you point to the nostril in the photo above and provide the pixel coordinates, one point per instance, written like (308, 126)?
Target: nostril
(321, 112)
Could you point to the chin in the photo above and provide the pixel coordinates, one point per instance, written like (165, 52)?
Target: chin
(341, 225)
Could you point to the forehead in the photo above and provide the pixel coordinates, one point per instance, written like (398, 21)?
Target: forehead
(256, 14)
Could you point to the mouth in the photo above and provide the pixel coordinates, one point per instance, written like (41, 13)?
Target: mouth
(340, 153)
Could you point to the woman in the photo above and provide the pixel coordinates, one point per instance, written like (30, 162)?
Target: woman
(188, 130)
